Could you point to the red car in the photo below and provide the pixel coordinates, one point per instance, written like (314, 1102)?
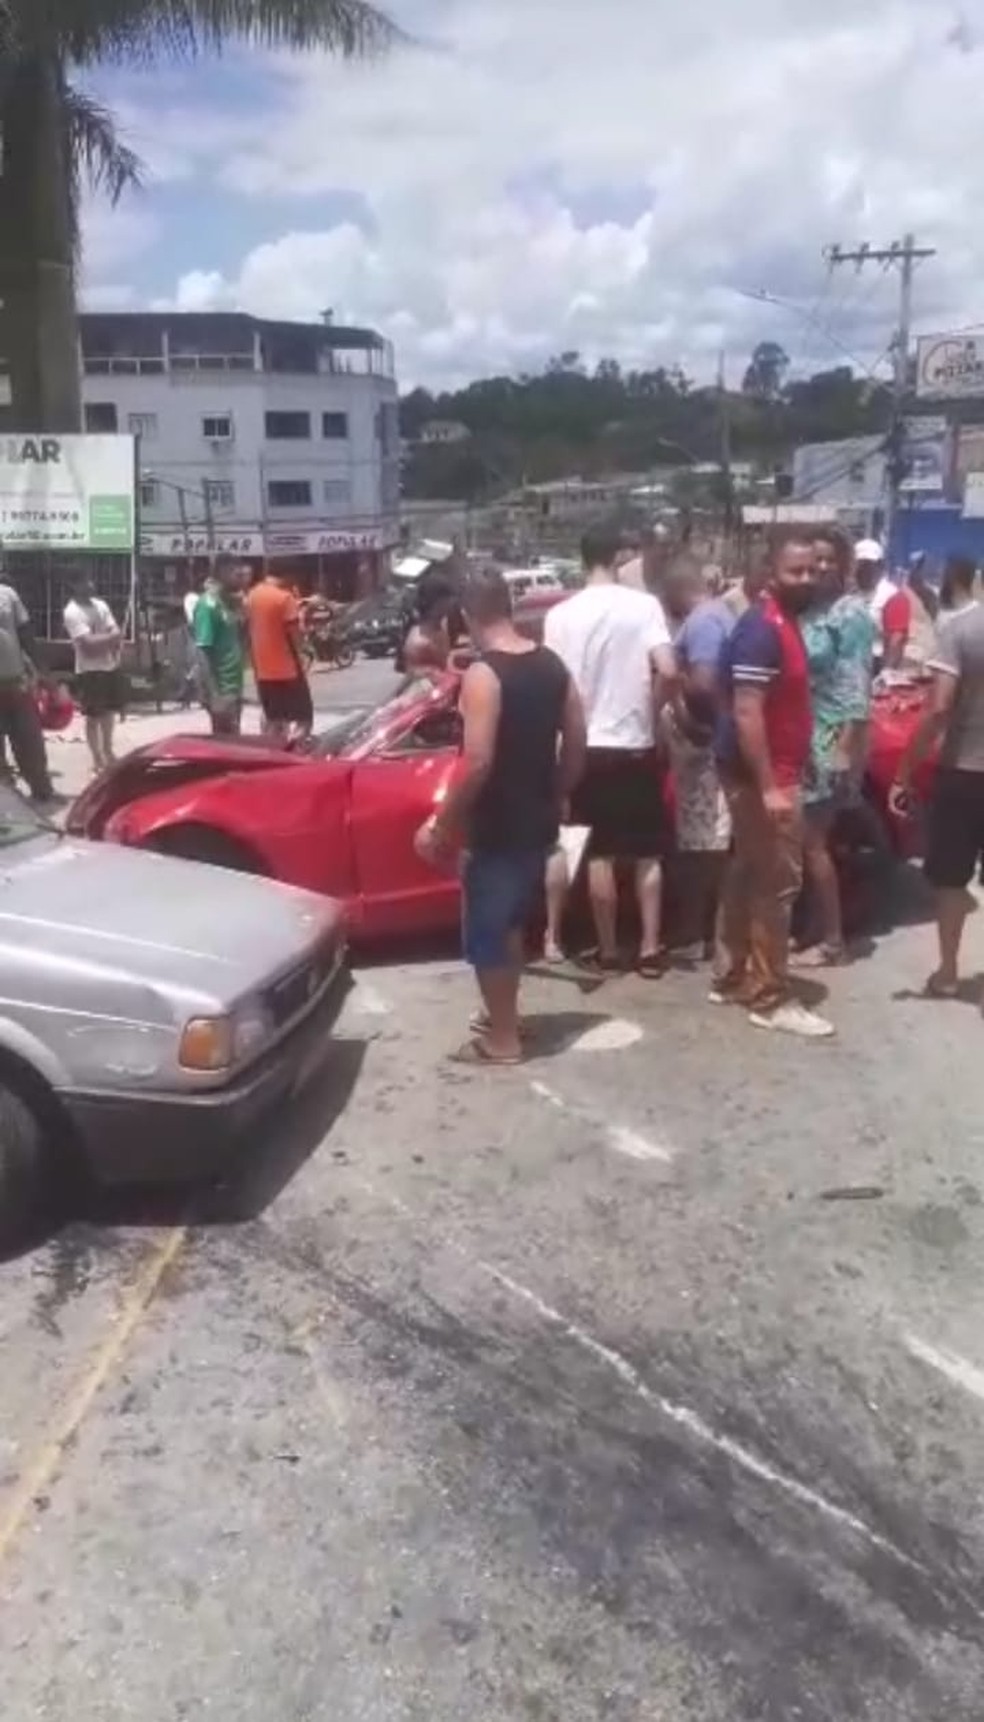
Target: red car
(340, 818)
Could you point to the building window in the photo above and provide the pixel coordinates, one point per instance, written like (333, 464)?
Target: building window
(335, 426)
(149, 493)
(337, 490)
(288, 427)
(100, 418)
(217, 427)
(143, 425)
(289, 493)
(221, 492)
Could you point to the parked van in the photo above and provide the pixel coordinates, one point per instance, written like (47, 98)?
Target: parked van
(524, 582)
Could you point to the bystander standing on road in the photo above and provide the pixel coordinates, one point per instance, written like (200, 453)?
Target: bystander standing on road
(839, 635)
(955, 838)
(523, 750)
(740, 594)
(764, 751)
(220, 645)
(436, 638)
(616, 644)
(96, 639)
(700, 626)
(273, 617)
(891, 607)
(20, 722)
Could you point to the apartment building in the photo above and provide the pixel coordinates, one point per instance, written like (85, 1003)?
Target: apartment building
(266, 440)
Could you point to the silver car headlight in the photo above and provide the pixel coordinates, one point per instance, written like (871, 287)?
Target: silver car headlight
(119, 1051)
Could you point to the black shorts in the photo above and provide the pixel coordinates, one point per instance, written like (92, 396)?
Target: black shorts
(621, 798)
(287, 702)
(955, 833)
(99, 692)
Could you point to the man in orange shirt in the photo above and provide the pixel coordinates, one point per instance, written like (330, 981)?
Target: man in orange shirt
(273, 615)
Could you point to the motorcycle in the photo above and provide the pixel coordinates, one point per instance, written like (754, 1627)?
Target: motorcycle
(325, 642)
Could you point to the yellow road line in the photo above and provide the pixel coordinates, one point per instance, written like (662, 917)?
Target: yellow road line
(43, 1467)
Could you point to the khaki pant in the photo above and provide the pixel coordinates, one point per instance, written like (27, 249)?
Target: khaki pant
(763, 881)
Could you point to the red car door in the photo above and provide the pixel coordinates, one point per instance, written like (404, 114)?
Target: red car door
(393, 792)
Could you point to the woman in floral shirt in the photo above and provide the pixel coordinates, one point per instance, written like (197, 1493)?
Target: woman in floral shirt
(839, 635)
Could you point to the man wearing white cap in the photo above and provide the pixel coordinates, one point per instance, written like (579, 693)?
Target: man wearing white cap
(890, 606)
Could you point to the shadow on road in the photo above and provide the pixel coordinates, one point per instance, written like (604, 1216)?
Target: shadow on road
(267, 1164)
(969, 992)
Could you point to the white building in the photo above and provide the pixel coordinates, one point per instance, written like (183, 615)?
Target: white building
(264, 440)
(846, 477)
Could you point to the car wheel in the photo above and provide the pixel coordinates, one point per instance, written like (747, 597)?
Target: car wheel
(24, 1160)
(213, 848)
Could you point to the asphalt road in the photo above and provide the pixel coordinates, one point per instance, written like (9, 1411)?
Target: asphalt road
(366, 683)
(644, 1382)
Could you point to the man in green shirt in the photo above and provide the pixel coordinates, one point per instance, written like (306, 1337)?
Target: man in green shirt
(220, 648)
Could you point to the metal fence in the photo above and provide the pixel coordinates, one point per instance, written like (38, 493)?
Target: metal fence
(44, 583)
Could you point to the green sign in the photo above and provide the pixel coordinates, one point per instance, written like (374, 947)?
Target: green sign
(110, 522)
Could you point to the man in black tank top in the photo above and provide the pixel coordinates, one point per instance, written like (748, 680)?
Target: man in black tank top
(523, 751)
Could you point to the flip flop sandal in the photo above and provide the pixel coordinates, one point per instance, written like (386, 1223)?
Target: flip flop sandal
(652, 966)
(595, 964)
(820, 957)
(937, 989)
(475, 1055)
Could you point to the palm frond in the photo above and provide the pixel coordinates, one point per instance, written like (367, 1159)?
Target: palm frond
(139, 31)
(96, 151)
(95, 154)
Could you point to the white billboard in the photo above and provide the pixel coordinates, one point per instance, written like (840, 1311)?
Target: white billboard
(950, 367)
(927, 451)
(67, 492)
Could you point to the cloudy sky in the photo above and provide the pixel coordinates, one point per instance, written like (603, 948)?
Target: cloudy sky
(531, 176)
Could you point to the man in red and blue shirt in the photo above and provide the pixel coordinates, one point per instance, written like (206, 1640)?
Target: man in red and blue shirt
(763, 749)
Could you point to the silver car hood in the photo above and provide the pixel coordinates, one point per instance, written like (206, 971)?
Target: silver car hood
(157, 919)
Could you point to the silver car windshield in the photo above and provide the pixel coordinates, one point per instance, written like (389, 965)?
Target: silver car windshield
(19, 822)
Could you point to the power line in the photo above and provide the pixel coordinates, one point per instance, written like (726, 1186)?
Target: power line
(762, 297)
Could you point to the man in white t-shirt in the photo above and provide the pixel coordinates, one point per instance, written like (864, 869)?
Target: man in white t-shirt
(616, 645)
(889, 603)
(95, 635)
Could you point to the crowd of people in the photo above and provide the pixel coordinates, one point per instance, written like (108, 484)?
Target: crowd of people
(728, 730)
(236, 622)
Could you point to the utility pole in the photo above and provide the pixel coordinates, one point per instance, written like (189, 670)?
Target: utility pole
(724, 451)
(904, 254)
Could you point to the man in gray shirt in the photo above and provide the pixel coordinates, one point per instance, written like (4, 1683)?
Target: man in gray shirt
(955, 836)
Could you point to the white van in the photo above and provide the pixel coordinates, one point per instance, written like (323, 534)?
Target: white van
(524, 581)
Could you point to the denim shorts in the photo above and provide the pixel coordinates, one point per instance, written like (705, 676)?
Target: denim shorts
(499, 891)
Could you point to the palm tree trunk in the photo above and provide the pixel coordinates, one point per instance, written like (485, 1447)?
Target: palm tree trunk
(38, 324)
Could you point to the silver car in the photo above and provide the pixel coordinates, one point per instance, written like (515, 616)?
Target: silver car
(152, 1010)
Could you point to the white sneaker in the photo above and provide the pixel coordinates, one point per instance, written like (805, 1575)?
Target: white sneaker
(793, 1019)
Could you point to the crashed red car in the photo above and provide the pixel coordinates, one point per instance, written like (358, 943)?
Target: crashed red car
(340, 817)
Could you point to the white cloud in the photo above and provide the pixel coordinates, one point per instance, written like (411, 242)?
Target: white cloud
(540, 178)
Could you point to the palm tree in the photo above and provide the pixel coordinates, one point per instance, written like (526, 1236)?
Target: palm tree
(54, 138)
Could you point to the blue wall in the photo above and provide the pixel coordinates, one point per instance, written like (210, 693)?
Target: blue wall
(937, 533)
